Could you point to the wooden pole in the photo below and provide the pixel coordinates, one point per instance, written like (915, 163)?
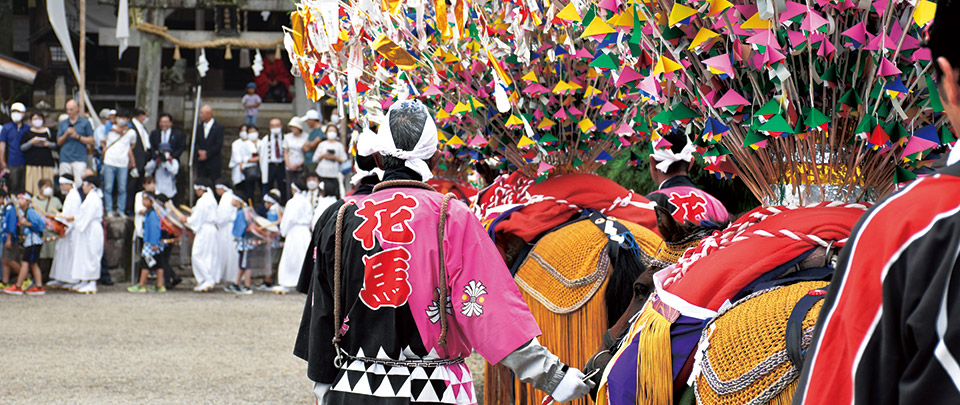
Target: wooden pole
(83, 56)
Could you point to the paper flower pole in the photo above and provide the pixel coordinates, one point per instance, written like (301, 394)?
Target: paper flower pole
(804, 101)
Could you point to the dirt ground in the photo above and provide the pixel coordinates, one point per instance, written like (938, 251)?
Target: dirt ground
(179, 347)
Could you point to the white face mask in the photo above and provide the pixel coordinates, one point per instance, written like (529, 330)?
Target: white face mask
(312, 185)
(16, 116)
(48, 191)
(122, 121)
(37, 123)
(276, 131)
(253, 136)
(331, 135)
(243, 135)
(145, 119)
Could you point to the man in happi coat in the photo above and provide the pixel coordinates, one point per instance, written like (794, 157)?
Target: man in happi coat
(889, 329)
(676, 193)
(409, 296)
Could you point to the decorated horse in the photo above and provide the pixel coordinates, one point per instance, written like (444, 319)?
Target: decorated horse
(575, 245)
(733, 316)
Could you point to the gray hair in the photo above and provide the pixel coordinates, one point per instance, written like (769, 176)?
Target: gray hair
(407, 119)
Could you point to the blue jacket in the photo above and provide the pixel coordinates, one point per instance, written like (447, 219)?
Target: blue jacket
(12, 136)
(33, 233)
(240, 225)
(9, 224)
(151, 228)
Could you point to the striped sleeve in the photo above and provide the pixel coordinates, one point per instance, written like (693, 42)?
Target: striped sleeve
(878, 329)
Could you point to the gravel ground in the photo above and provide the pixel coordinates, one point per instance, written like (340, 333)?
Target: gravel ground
(180, 347)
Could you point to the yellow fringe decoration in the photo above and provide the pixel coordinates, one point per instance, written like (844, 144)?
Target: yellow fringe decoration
(228, 55)
(176, 52)
(655, 366)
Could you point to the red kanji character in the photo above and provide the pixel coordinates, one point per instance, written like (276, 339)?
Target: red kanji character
(691, 207)
(390, 218)
(385, 278)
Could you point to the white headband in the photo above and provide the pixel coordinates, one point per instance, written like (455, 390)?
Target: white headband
(269, 199)
(426, 145)
(222, 187)
(87, 183)
(64, 180)
(236, 197)
(360, 174)
(666, 157)
(200, 187)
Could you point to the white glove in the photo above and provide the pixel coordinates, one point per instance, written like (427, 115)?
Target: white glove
(571, 386)
(320, 390)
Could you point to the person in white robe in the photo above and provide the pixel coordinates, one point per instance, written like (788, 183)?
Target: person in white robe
(60, 269)
(226, 213)
(206, 248)
(87, 237)
(236, 173)
(295, 228)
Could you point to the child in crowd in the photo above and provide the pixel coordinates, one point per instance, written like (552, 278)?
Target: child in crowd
(33, 225)
(251, 102)
(271, 201)
(140, 209)
(244, 246)
(8, 234)
(153, 246)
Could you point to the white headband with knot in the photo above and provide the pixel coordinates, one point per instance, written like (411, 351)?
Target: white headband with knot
(666, 157)
(269, 199)
(201, 187)
(64, 180)
(426, 145)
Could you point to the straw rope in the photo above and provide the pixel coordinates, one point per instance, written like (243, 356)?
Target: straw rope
(162, 32)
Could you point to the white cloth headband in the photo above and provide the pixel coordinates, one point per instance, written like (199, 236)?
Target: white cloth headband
(87, 183)
(666, 157)
(954, 155)
(222, 187)
(426, 146)
(236, 197)
(64, 180)
(198, 187)
(269, 199)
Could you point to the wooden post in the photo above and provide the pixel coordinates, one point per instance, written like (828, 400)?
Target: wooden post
(83, 57)
(149, 64)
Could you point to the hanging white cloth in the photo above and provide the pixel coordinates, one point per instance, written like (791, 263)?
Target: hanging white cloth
(206, 249)
(123, 27)
(236, 162)
(229, 258)
(295, 228)
(60, 269)
(87, 237)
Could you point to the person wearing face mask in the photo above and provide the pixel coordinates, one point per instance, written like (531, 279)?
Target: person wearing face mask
(37, 146)
(329, 154)
(118, 159)
(48, 205)
(247, 157)
(142, 152)
(271, 159)
(11, 159)
(293, 155)
(236, 172)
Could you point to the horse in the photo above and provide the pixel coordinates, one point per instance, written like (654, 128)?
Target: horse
(747, 282)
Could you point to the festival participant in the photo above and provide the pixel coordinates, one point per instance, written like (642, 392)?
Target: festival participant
(887, 330)
(295, 228)
(153, 246)
(32, 226)
(226, 213)
(243, 246)
(271, 201)
(318, 198)
(206, 249)
(61, 276)
(88, 237)
(401, 306)
(676, 192)
(171, 279)
(247, 157)
(139, 208)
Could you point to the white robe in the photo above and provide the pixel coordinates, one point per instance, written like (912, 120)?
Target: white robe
(206, 249)
(229, 259)
(87, 239)
(295, 228)
(63, 251)
(236, 173)
(322, 204)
